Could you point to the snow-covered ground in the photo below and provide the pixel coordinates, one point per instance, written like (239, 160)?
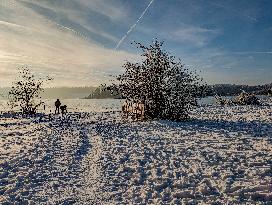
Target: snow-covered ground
(223, 155)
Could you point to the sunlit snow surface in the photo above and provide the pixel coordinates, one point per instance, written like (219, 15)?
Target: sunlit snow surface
(222, 155)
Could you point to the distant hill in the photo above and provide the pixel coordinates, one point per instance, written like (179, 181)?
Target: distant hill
(58, 92)
(232, 89)
(67, 93)
(219, 89)
(101, 92)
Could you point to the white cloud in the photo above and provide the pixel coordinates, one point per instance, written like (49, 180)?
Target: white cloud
(193, 35)
(106, 7)
(114, 11)
(78, 17)
(196, 35)
(27, 38)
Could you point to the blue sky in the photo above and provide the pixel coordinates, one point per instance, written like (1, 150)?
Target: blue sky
(75, 41)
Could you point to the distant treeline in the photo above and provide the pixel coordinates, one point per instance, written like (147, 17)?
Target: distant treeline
(101, 93)
(232, 89)
(219, 89)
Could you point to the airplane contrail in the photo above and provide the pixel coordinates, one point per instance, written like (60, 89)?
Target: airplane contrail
(133, 26)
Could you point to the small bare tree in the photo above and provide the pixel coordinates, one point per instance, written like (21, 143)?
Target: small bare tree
(25, 92)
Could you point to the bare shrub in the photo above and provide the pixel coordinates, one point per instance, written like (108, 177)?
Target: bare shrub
(25, 92)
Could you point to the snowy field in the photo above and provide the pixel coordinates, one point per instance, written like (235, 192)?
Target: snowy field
(223, 155)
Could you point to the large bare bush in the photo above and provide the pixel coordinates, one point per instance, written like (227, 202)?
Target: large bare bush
(168, 88)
